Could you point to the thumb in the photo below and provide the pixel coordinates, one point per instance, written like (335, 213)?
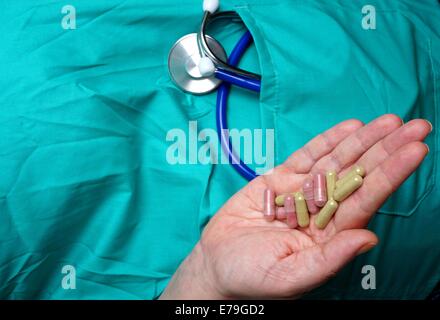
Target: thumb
(346, 245)
(324, 261)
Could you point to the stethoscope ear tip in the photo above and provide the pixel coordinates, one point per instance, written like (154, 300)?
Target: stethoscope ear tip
(211, 5)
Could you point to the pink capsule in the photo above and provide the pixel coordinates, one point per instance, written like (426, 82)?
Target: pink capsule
(309, 195)
(289, 207)
(269, 205)
(320, 194)
(280, 213)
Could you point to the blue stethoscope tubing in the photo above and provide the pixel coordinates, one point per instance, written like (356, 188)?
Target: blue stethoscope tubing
(240, 81)
(222, 97)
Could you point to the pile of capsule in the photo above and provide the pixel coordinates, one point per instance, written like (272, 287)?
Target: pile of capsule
(320, 193)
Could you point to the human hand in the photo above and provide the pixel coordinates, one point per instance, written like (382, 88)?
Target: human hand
(241, 255)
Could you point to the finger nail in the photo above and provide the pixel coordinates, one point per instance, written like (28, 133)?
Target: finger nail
(427, 147)
(366, 248)
(430, 125)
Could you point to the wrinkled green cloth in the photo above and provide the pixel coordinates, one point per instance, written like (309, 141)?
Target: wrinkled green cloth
(84, 116)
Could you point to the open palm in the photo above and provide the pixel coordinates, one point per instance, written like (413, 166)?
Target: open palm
(246, 256)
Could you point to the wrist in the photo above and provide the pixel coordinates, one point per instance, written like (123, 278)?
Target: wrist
(192, 280)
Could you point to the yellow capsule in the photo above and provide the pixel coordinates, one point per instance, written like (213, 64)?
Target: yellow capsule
(279, 200)
(302, 214)
(326, 214)
(350, 186)
(330, 179)
(355, 170)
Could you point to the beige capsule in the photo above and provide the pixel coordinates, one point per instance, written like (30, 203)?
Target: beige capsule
(355, 170)
(279, 200)
(302, 214)
(351, 185)
(330, 179)
(326, 213)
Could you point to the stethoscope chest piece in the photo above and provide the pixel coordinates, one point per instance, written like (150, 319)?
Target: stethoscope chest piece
(183, 62)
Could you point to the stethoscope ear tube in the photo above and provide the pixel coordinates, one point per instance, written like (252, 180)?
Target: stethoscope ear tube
(232, 78)
(206, 51)
(221, 112)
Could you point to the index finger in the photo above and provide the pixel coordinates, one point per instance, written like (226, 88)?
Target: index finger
(305, 158)
(287, 176)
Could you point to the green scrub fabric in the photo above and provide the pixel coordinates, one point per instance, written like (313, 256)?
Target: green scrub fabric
(85, 113)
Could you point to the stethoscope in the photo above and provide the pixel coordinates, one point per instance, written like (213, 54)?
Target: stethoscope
(197, 65)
